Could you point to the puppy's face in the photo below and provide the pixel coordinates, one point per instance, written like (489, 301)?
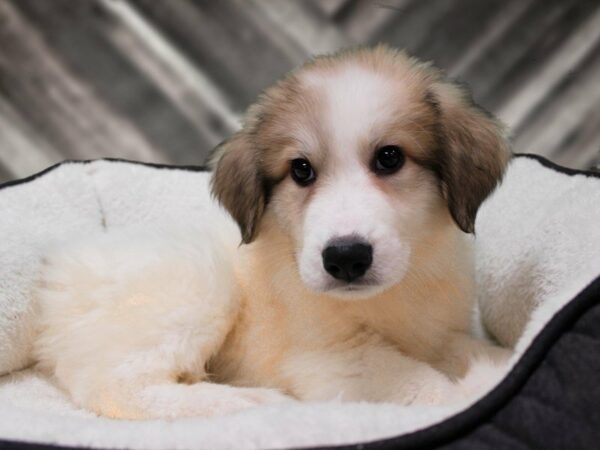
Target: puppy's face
(351, 192)
(359, 157)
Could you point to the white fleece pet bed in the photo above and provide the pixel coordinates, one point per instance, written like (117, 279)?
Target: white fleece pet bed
(538, 249)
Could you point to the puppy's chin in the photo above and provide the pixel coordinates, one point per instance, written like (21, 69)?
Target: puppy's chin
(323, 284)
(355, 292)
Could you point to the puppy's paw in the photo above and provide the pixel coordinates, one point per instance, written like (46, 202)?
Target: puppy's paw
(263, 396)
(483, 375)
(233, 401)
(171, 401)
(432, 388)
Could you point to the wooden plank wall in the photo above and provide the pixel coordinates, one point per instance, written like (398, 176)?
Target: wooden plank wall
(165, 80)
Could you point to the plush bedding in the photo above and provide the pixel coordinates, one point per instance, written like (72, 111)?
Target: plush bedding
(538, 267)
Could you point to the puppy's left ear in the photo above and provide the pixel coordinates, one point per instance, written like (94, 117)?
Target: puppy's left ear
(237, 182)
(473, 153)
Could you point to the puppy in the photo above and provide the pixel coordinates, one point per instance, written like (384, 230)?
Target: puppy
(354, 182)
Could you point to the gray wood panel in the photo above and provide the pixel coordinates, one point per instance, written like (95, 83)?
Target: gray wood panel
(165, 81)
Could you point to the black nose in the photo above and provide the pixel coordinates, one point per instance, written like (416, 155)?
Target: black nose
(347, 258)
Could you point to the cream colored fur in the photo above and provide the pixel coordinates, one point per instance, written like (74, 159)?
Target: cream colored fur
(128, 317)
(187, 323)
(145, 325)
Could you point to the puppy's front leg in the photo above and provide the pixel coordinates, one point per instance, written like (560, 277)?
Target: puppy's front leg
(476, 364)
(374, 371)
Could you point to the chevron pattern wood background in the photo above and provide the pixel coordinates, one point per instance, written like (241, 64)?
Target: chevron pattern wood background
(165, 80)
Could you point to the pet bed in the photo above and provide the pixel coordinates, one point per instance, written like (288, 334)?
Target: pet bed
(538, 261)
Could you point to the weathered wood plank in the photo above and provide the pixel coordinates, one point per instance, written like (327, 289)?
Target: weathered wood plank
(185, 85)
(582, 147)
(454, 34)
(457, 27)
(564, 58)
(265, 15)
(505, 56)
(78, 32)
(414, 23)
(5, 174)
(553, 128)
(60, 106)
(492, 35)
(166, 80)
(531, 41)
(328, 8)
(366, 18)
(314, 34)
(22, 150)
(236, 55)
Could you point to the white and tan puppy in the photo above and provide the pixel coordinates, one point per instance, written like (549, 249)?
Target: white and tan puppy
(354, 181)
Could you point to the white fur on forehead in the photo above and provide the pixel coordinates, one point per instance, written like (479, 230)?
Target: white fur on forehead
(356, 98)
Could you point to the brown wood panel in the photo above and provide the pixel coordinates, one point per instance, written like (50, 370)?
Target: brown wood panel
(167, 80)
(558, 131)
(61, 106)
(538, 36)
(5, 174)
(236, 54)
(78, 31)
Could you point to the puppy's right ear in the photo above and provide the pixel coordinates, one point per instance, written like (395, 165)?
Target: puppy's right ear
(474, 152)
(237, 182)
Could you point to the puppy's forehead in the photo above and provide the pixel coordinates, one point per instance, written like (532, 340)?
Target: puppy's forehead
(346, 105)
(355, 100)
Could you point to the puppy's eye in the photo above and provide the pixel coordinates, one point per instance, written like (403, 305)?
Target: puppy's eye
(388, 159)
(302, 172)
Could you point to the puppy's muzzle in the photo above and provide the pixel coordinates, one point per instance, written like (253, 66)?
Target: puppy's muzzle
(347, 258)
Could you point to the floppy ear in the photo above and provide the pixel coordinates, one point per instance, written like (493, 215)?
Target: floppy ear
(473, 153)
(237, 182)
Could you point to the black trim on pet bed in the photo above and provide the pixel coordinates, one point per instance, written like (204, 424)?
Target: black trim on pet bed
(88, 161)
(551, 165)
(550, 399)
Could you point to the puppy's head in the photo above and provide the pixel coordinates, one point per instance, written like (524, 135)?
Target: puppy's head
(359, 157)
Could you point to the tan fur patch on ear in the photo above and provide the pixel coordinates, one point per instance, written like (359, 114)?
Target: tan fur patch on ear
(237, 183)
(473, 154)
